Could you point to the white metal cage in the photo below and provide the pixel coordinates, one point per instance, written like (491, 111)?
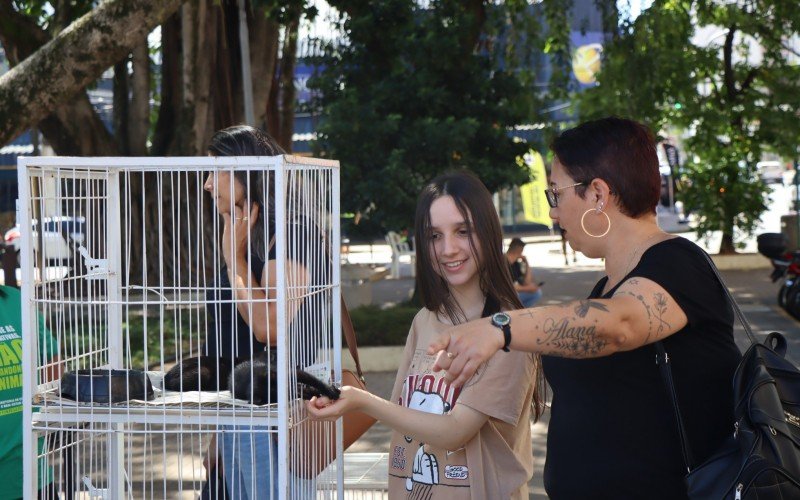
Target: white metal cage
(142, 290)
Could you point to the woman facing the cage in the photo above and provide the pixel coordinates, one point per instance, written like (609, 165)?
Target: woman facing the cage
(612, 431)
(242, 318)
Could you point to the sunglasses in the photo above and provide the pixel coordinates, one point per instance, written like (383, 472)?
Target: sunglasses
(552, 193)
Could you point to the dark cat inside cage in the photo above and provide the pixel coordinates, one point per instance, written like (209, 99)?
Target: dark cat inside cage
(207, 373)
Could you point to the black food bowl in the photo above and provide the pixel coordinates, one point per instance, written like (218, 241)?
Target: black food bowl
(106, 386)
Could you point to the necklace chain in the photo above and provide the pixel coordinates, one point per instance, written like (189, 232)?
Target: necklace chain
(641, 245)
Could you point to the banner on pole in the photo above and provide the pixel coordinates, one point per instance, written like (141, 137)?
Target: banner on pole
(534, 203)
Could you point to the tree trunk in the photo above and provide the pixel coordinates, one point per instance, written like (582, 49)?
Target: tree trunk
(75, 129)
(726, 246)
(199, 40)
(75, 58)
(272, 115)
(121, 118)
(226, 92)
(139, 117)
(169, 109)
(264, 34)
(729, 213)
(63, 15)
(288, 90)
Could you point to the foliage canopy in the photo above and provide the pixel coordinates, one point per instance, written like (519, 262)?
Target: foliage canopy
(724, 72)
(413, 92)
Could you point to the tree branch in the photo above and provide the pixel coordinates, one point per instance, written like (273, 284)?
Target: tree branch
(75, 58)
(74, 125)
(727, 57)
(751, 76)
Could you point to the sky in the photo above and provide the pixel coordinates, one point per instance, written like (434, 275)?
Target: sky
(634, 7)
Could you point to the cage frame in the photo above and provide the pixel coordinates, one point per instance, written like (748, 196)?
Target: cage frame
(29, 167)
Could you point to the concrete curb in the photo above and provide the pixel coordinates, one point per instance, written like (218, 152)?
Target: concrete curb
(375, 359)
(741, 262)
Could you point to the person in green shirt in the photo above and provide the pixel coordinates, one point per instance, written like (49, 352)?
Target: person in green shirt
(11, 427)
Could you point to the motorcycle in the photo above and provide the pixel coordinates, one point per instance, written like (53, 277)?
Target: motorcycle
(785, 267)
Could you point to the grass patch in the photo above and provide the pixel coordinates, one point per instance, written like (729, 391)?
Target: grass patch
(377, 327)
(152, 336)
(155, 337)
(164, 346)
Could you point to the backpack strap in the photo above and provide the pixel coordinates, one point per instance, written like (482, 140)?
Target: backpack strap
(663, 363)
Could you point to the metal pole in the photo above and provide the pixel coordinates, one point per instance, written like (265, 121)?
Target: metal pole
(116, 355)
(30, 477)
(247, 79)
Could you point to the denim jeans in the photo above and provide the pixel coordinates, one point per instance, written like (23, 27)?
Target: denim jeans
(529, 299)
(250, 460)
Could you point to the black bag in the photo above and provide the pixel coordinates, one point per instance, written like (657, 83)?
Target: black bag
(761, 459)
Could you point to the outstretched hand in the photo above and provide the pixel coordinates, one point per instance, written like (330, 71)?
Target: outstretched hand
(236, 232)
(462, 349)
(323, 408)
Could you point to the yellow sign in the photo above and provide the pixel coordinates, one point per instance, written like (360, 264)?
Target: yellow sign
(534, 203)
(586, 62)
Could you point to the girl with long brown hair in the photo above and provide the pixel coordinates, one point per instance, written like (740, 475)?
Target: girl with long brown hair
(455, 443)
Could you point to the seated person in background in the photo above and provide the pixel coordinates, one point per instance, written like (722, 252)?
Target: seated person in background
(521, 274)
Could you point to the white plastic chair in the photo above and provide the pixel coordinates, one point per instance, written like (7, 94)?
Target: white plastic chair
(400, 248)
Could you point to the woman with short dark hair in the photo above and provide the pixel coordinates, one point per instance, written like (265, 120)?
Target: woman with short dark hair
(612, 432)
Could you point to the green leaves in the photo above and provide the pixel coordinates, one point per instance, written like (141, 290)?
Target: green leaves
(721, 72)
(412, 93)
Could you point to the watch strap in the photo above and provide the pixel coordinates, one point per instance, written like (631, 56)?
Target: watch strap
(506, 337)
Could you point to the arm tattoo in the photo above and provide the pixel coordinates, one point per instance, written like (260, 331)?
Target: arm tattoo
(582, 309)
(660, 311)
(655, 314)
(569, 340)
(641, 300)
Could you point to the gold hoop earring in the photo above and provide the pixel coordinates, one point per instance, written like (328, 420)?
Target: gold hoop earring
(583, 226)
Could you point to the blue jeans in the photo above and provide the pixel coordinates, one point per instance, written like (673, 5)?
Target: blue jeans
(250, 460)
(529, 299)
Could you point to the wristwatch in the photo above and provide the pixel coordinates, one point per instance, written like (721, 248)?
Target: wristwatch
(503, 321)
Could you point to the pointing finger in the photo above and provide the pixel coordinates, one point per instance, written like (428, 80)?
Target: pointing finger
(440, 343)
(442, 362)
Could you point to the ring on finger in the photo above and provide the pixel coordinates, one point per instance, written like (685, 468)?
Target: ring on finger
(450, 355)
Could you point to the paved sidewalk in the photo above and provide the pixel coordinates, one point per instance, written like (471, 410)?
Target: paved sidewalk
(753, 291)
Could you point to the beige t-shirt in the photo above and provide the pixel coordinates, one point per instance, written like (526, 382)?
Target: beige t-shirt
(498, 461)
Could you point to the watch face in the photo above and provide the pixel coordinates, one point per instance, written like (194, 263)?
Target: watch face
(501, 319)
